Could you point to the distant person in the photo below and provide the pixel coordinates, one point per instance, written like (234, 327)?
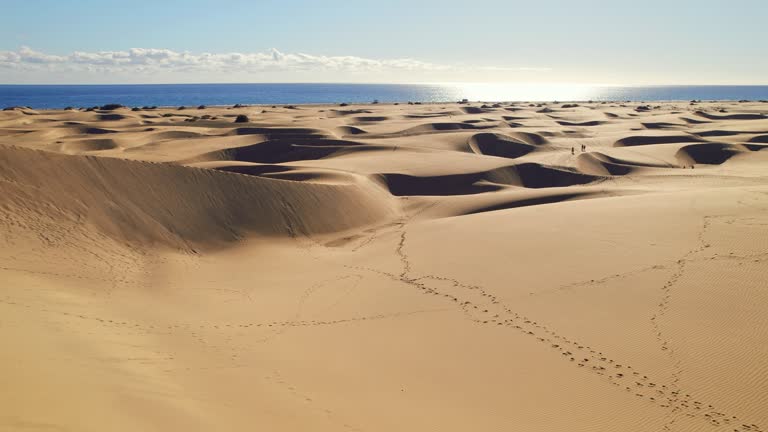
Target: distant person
(573, 150)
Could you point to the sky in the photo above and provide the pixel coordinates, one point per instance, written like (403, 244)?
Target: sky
(621, 42)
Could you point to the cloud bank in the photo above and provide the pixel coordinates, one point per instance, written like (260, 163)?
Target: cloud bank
(153, 60)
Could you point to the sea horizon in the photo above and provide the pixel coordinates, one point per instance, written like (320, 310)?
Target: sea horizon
(56, 96)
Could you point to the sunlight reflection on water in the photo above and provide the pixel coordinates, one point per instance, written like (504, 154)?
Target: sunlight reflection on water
(523, 92)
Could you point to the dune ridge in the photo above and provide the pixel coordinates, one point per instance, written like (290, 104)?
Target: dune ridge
(144, 202)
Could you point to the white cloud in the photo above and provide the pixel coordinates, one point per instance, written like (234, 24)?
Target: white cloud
(153, 60)
(26, 55)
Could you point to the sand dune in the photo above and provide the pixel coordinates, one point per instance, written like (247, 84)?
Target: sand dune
(381, 267)
(218, 206)
(738, 116)
(655, 139)
(284, 150)
(91, 145)
(421, 115)
(349, 130)
(370, 119)
(710, 153)
(582, 123)
(499, 145)
(601, 164)
(441, 127)
(663, 125)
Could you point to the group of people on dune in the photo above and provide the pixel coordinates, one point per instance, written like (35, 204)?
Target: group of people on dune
(583, 149)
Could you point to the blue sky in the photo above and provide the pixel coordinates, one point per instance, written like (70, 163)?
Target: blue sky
(611, 42)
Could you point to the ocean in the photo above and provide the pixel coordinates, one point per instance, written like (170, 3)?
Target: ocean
(60, 96)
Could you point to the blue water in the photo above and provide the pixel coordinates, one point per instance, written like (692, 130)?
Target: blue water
(60, 96)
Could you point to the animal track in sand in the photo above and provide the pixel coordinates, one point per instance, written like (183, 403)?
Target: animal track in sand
(277, 378)
(161, 329)
(484, 308)
(682, 403)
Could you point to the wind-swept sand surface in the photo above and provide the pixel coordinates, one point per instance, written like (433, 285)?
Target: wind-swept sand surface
(439, 267)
